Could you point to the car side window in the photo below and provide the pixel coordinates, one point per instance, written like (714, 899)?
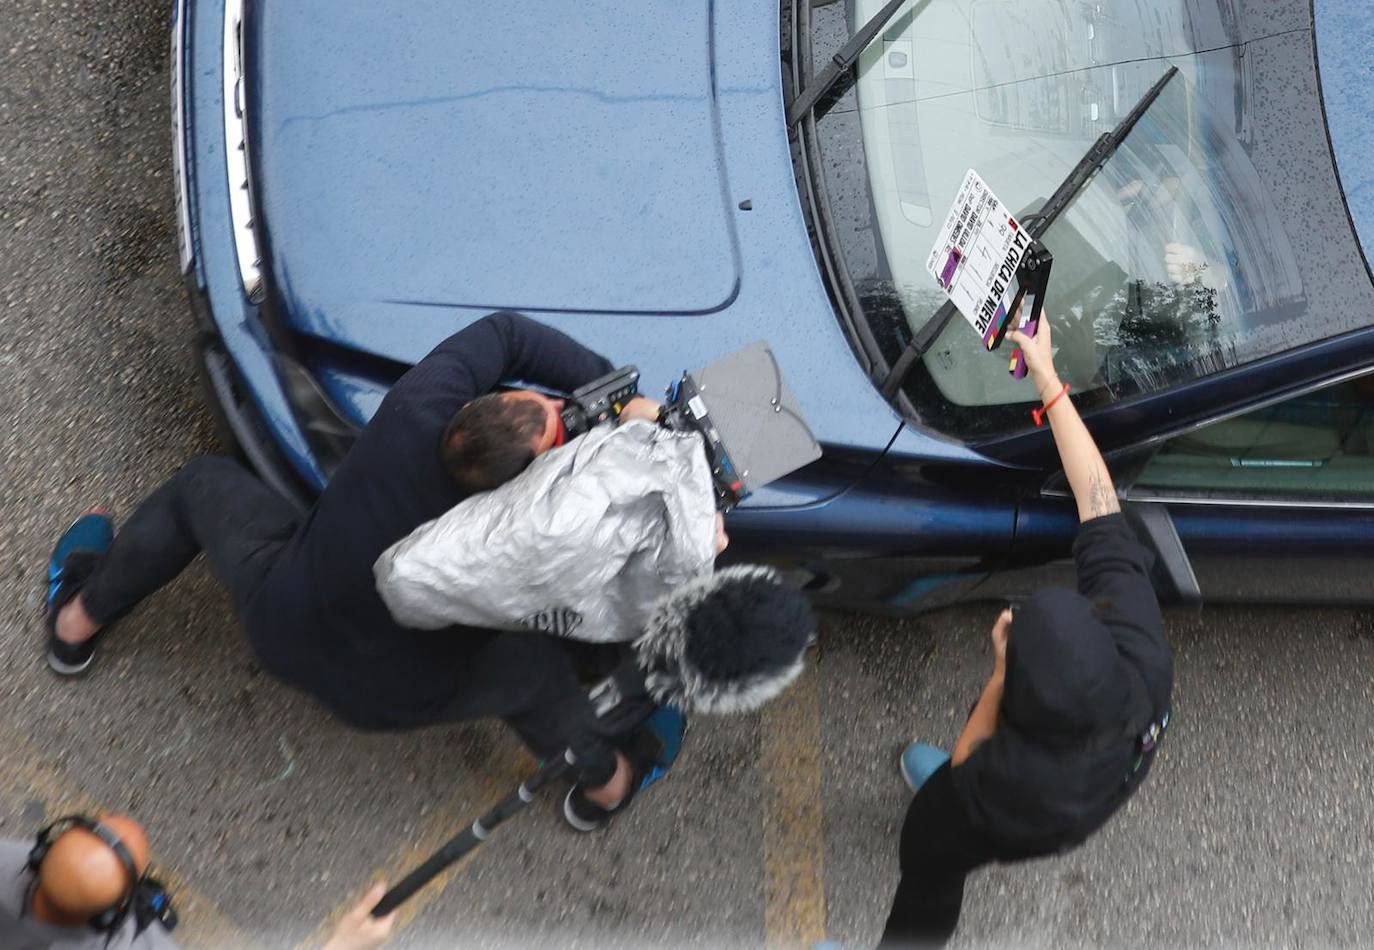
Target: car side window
(1318, 447)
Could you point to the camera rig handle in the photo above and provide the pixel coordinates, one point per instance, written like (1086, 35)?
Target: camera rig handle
(600, 400)
(686, 411)
(751, 425)
(1033, 278)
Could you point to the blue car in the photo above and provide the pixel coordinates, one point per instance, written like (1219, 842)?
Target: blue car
(358, 180)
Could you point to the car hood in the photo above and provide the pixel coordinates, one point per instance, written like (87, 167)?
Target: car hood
(490, 155)
(626, 178)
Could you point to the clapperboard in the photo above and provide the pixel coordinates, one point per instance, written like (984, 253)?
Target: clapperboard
(976, 256)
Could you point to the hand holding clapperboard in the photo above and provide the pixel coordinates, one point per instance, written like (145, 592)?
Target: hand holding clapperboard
(975, 260)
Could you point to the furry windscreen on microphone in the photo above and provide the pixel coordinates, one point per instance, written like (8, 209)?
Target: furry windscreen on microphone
(727, 642)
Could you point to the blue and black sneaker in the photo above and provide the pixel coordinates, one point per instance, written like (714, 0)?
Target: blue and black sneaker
(78, 551)
(652, 749)
(919, 762)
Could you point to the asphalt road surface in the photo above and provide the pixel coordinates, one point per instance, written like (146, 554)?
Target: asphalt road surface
(1256, 827)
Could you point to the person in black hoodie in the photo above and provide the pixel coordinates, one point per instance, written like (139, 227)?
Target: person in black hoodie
(1065, 730)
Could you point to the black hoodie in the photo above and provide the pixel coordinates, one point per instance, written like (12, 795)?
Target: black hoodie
(1087, 673)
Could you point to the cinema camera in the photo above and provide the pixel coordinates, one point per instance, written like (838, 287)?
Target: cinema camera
(749, 422)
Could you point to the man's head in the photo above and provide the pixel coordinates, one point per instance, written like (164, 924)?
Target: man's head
(493, 438)
(82, 876)
(1065, 681)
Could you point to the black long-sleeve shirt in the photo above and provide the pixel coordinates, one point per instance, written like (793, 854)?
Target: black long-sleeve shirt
(1114, 573)
(958, 821)
(1030, 786)
(346, 649)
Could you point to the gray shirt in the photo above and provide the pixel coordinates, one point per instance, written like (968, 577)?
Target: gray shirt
(20, 931)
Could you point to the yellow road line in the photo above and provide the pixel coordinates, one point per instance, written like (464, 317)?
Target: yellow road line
(473, 794)
(26, 774)
(794, 817)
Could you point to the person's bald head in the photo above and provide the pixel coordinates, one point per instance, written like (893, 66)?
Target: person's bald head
(82, 876)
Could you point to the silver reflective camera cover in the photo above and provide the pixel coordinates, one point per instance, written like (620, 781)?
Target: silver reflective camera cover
(582, 544)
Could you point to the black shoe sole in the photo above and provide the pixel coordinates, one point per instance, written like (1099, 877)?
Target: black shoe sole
(575, 821)
(69, 668)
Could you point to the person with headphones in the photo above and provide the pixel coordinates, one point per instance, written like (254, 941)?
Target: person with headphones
(84, 883)
(1066, 728)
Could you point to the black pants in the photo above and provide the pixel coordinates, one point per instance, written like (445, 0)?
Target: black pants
(212, 505)
(939, 848)
(216, 506)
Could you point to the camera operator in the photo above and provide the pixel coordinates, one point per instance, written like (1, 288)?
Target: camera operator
(1065, 730)
(83, 883)
(302, 584)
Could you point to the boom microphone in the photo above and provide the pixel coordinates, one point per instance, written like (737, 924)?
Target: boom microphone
(726, 642)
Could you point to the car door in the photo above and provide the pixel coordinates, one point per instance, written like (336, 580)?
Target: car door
(1275, 504)
(1270, 504)
(918, 528)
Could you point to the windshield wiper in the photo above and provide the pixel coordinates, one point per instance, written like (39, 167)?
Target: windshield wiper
(1036, 225)
(847, 56)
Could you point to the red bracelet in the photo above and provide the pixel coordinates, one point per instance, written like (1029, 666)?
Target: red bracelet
(1039, 414)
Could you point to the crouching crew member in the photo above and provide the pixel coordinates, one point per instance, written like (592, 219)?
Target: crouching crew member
(302, 583)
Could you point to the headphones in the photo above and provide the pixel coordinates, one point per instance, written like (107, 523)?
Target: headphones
(143, 895)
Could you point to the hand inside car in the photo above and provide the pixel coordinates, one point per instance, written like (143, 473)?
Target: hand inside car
(1188, 266)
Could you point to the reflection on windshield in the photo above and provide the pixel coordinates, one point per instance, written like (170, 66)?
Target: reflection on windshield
(1170, 253)
(1173, 263)
(1158, 263)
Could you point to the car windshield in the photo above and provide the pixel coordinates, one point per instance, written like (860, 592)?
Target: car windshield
(1213, 236)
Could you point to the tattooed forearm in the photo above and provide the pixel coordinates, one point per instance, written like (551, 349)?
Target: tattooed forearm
(1101, 495)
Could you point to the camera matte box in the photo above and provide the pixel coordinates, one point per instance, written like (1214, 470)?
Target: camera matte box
(758, 418)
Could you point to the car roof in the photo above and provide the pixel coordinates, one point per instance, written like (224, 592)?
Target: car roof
(1343, 30)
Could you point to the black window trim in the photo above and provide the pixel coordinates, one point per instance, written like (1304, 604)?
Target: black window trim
(1053, 486)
